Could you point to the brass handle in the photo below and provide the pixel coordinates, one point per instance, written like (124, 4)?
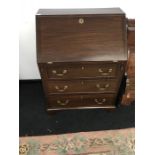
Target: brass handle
(105, 73)
(62, 89)
(81, 20)
(102, 88)
(63, 103)
(59, 74)
(100, 102)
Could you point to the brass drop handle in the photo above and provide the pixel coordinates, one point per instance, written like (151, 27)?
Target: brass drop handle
(100, 70)
(102, 88)
(100, 102)
(60, 74)
(61, 89)
(63, 103)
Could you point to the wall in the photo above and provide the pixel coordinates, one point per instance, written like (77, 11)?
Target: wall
(27, 49)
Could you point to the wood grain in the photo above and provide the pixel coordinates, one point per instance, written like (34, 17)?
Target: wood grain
(81, 101)
(82, 56)
(63, 39)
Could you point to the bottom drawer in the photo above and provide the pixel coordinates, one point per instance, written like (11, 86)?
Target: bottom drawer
(81, 101)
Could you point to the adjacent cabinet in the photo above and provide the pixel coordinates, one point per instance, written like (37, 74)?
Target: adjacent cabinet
(82, 56)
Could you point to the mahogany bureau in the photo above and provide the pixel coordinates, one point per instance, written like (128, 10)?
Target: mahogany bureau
(82, 55)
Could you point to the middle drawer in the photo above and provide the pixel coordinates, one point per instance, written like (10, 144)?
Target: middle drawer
(104, 85)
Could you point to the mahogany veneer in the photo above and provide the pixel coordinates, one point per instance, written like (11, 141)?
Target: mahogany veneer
(82, 56)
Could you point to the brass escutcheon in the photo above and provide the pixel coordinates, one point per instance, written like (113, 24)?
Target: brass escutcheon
(81, 21)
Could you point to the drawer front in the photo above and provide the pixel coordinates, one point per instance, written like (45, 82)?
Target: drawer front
(64, 86)
(73, 71)
(72, 101)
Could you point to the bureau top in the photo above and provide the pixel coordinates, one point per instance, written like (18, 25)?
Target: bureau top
(98, 11)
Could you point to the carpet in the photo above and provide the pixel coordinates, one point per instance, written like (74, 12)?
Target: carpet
(111, 142)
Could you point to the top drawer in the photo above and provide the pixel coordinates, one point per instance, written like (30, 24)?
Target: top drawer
(86, 70)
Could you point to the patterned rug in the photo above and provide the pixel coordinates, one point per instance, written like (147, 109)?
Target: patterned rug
(111, 142)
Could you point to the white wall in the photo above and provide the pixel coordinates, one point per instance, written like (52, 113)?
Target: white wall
(27, 49)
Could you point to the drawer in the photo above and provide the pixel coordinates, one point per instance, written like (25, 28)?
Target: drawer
(77, 70)
(76, 101)
(75, 86)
